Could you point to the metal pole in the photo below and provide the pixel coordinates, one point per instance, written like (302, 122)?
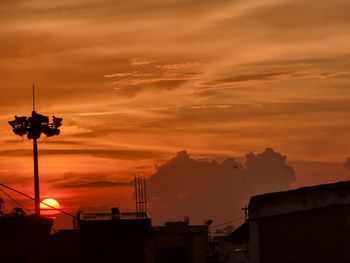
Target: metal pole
(36, 178)
(136, 197)
(144, 189)
(36, 164)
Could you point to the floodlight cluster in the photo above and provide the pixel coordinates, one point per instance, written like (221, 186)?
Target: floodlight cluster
(35, 125)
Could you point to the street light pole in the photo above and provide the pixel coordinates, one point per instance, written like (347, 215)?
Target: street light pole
(33, 127)
(36, 165)
(36, 178)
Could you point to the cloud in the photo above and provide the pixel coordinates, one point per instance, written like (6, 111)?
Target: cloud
(141, 61)
(268, 170)
(155, 76)
(239, 79)
(101, 153)
(202, 189)
(11, 179)
(95, 184)
(346, 164)
(298, 73)
(180, 66)
(128, 74)
(101, 179)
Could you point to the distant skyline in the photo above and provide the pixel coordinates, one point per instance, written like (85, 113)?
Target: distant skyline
(138, 81)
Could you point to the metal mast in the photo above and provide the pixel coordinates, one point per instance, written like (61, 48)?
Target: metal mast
(36, 164)
(33, 127)
(140, 196)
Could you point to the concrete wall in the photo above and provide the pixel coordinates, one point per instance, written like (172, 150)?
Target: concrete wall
(254, 246)
(312, 236)
(298, 200)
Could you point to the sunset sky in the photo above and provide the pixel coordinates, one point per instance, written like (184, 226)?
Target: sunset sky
(138, 81)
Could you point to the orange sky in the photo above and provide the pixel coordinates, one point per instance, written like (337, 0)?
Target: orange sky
(137, 81)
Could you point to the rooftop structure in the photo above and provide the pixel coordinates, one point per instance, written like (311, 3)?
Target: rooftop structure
(110, 216)
(306, 225)
(301, 199)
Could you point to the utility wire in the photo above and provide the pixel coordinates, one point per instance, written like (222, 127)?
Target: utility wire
(229, 222)
(18, 192)
(14, 200)
(32, 198)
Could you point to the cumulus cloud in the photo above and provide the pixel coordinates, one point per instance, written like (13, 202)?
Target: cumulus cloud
(203, 189)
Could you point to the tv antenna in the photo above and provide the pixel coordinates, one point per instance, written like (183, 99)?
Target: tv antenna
(140, 196)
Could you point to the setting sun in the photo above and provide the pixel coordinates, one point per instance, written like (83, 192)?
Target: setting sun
(47, 207)
(49, 203)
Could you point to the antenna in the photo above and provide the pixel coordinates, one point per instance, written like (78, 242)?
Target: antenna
(246, 210)
(140, 196)
(33, 97)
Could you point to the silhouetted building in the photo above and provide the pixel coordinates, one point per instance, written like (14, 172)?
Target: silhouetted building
(306, 225)
(129, 237)
(177, 242)
(236, 244)
(113, 237)
(65, 246)
(24, 238)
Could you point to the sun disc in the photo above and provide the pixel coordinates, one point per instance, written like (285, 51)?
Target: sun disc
(49, 203)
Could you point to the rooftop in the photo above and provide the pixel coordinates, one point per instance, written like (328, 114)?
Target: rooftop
(111, 216)
(301, 199)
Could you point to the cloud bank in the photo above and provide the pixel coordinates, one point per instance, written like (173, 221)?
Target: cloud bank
(211, 189)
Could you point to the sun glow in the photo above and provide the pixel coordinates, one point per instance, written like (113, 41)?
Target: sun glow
(48, 207)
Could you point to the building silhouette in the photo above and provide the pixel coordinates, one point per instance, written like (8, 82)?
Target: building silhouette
(24, 238)
(306, 225)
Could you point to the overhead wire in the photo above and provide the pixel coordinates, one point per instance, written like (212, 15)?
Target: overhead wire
(32, 198)
(229, 222)
(14, 200)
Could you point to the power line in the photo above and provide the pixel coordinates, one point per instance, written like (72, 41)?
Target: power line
(229, 222)
(18, 192)
(32, 198)
(14, 200)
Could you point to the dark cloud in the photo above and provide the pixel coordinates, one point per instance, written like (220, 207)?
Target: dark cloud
(297, 74)
(211, 113)
(243, 78)
(14, 179)
(62, 142)
(101, 153)
(95, 184)
(346, 164)
(268, 171)
(153, 85)
(202, 189)
(87, 180)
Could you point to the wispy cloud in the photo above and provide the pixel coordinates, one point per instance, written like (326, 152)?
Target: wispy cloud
(141, 61)
(101, 153)
(94, 184)
(133, 74)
